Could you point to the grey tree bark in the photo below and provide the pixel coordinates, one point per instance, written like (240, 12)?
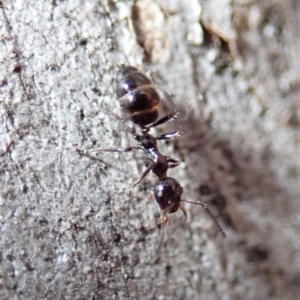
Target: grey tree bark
(68, 229)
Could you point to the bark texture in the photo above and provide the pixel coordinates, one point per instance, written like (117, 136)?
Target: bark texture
(68, 229)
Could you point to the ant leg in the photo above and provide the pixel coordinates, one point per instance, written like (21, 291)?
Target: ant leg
(110, 114)
(173, 162)
(184, 212)
(127, 149)
(163, 119)
(144, 174)
(130, 128)
(209, 212)
(169, 136)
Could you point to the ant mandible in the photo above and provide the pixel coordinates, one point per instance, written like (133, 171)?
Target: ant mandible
(140, 102)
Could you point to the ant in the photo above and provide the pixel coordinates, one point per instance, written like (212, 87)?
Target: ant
(140, 100)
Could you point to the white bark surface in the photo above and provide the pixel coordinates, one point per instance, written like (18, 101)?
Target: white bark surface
(68, 229)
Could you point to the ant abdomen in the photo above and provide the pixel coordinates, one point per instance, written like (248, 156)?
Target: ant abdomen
(128, 79)
(138, 97)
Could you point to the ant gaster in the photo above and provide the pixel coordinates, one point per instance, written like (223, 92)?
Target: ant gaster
(140, 100)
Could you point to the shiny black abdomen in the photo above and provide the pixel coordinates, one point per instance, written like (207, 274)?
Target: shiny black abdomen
(128, 79)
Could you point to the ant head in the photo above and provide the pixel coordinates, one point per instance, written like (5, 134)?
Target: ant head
(167, 193)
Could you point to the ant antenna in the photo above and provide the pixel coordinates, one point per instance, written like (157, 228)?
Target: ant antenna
(161, 242)
(85, 94)
(209, 212)
(162, 232)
